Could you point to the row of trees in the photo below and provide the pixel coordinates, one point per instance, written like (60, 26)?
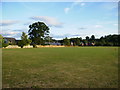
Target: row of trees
(39, 34)
(109, 40)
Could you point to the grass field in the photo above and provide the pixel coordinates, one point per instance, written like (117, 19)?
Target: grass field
(66, 67)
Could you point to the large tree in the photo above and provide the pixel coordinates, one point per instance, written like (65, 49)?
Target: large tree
(37, 32)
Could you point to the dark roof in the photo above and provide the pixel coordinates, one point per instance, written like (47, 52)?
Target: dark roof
(12, 40)
(9, 38)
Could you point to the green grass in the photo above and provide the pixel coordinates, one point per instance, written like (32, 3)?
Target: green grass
(65, 67)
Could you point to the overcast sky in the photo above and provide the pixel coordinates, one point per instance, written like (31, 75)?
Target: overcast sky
(65, 19)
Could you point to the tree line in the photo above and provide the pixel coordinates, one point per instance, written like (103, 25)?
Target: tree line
(109, 40)
(39, 34)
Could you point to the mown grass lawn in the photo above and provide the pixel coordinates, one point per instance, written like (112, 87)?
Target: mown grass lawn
(65, 67)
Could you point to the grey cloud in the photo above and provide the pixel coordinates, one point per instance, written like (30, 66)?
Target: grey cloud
(8, 22)
(82, 28)
(50, 21)
(66, 35)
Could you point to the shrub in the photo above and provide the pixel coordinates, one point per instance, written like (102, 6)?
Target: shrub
(5, 45)
(34, 46)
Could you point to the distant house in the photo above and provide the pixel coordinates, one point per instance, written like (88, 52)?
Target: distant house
(71, 43)
(82, 44)
(53, 43)
(93, 44)
(9, 40)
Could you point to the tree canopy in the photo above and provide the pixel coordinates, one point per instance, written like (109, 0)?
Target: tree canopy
(24, 40)
(66, 42)
(37, 32)
(109, 40)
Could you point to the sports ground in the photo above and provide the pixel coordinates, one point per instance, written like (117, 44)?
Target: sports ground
(63, 67)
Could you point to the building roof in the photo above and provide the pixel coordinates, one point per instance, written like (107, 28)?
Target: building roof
(9, 38)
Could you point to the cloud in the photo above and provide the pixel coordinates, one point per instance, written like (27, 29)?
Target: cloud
(18, 30)
(66, 10)
(60, 36)
(12, 34)
(16, 33)
(8, 22)
(81, 28)
(115, 24)
(9, 34)
(66, 35)
(110, 6)
(98, 26)
(78, 3)
(81, 4)
(76, 35)
(28, 23)
(50, 21)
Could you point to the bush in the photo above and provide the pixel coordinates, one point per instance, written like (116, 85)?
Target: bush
(20, 44)
(34, 46)
(5, 45)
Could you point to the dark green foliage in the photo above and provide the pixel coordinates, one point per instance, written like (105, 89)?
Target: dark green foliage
(37, 32)
(34, 46)
(109, 40)
(66, 42)
(48, 39)
(2, 42)
(87, 38)
(21, 44)
(24, 40)
(5, 45)
(76, 41)
(92, 37)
